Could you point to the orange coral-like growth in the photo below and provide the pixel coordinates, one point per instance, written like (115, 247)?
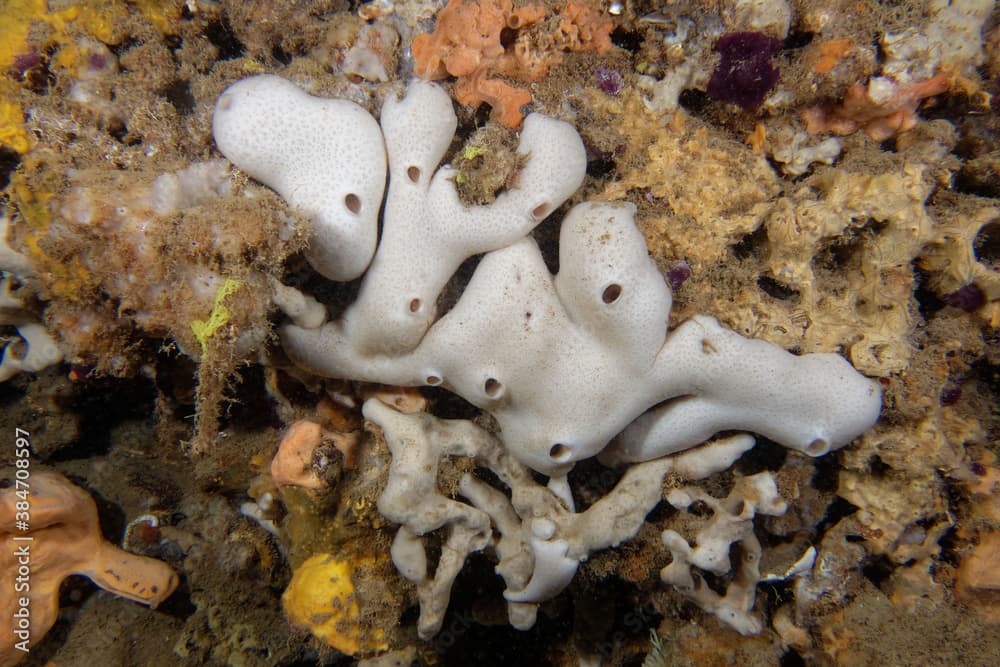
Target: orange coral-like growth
(56, 536)
(480, 40)
(830, 53)
(880, 120)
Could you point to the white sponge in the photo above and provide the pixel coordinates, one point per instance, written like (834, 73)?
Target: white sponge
(427, 232)
(324, 156)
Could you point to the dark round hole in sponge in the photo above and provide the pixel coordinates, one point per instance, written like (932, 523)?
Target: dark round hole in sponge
(559, 452)
(353, 203)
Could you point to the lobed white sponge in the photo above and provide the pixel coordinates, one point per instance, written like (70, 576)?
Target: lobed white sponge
(427, 232)
(715, 380)
(324, 156)
(565, 363)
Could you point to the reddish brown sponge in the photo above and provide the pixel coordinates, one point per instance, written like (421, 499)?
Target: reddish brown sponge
(745, 74)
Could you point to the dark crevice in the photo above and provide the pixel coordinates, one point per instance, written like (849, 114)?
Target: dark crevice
(928, 302)
(878, 569)
(629, 40)
(507, 37)
(797, 39)
(106, 403)
(715, 582)
(774, 594)
(448, 405)
(463, 640)
(693, 101)
(844, 251)
(791, 659)
(989, 375)
(977, 178)
(178, 93)
(765, 455)
(221, 34)
(949, 543)
(775, 289)
(838, 509)
(280, 55)
(986, 245)
(121, 47)
(37, 77)
(250, 406)
(600, 168)
(826, 476)
(547, 236)
(9, 159)
(877, 467)
(179, 604)
(591, 481)
(751, 244)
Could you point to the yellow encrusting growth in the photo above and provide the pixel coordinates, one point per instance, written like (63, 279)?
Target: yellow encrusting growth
(100, 19)
(68, 278)
(16, 20)
(12, 132)
(162, 14)
(322, 598)
(472, 152)
(219, 317)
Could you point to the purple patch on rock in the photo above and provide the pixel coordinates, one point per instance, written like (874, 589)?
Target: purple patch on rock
(678, 272)
(25, 61)
(951, 394)
(968, 298)
(745, 74)
(609, 81)
(98, 61)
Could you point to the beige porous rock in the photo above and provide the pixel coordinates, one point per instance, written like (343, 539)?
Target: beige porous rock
(717, 189)
(901, 517)
(865, 303)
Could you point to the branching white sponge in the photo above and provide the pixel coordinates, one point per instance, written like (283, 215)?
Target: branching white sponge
(564, 363)
(538, 540)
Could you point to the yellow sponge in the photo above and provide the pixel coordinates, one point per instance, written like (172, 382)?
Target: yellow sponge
(321, 597)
